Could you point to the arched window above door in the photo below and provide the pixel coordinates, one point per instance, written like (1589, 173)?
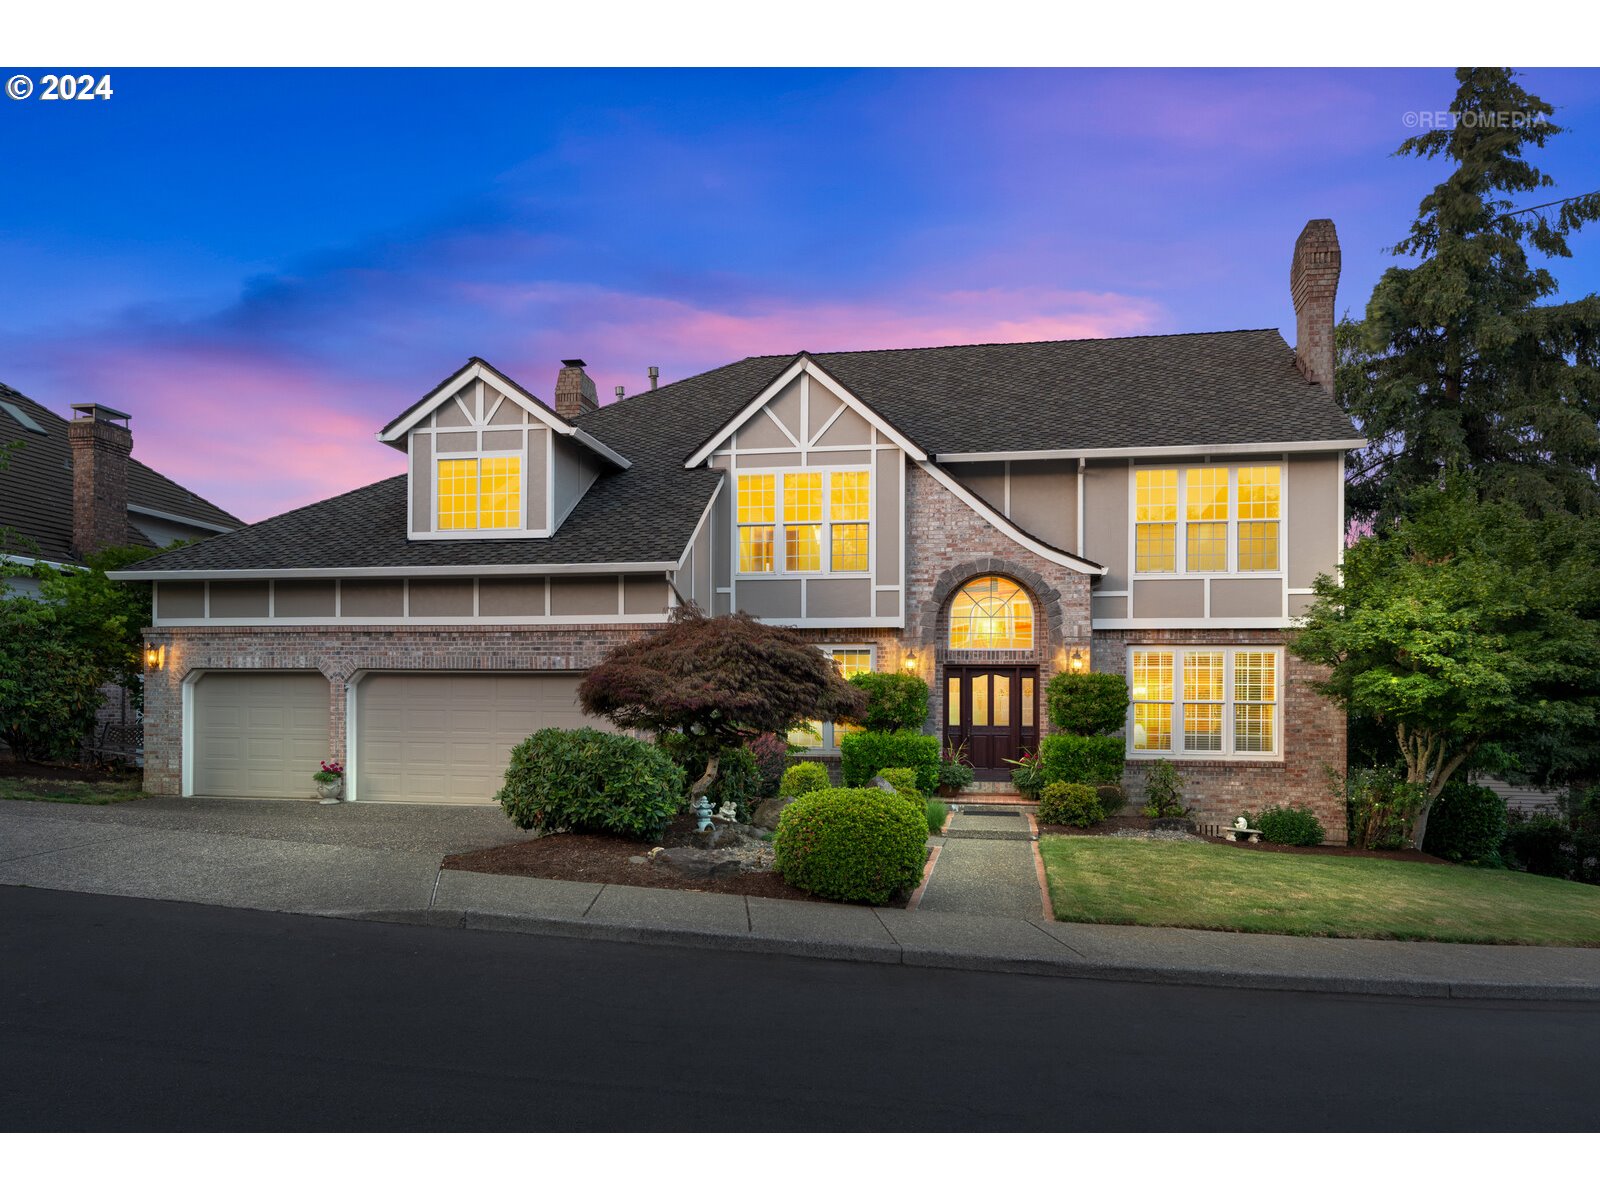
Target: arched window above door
(991, 613)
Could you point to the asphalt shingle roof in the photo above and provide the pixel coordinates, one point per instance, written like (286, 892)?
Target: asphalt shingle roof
(36, 489)
(1178, 390)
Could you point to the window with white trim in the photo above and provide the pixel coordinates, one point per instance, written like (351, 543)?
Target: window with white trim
(820, 736)
(803, 522)
(1185, 520)
(1205, 702)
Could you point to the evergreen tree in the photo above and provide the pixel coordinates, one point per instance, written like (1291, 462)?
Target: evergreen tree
(1459, 366)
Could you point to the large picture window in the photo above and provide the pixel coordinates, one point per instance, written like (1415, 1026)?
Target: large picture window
(1205, 702)
(803, 522)
(825, 735)
(1207, 520)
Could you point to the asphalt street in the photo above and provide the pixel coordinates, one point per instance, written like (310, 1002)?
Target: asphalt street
(128, 1014)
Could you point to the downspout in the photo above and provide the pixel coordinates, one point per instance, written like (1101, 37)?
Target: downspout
(1082, 465)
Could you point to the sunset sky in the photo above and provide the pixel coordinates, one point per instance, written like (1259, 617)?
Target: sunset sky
(265, 266)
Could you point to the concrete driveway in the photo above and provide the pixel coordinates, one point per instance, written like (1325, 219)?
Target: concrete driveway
(286, 855)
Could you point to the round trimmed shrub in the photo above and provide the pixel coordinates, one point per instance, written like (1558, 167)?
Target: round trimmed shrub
(856, 844)
(1113, 799)
(1087, 704)
(1467, 824)
(894, 701)
(902, 780)
(589, 781)
(1290, 826)
(802, 778)
(1070, 804)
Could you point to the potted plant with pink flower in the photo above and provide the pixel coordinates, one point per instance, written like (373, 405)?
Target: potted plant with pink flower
(330, 782)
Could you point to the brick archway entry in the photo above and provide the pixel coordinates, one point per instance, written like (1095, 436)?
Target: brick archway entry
(991, 699)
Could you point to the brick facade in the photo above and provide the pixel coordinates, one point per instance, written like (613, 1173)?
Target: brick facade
(1219, 790)
(100, 451)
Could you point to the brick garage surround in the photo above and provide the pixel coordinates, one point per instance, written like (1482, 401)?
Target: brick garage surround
(338, 652)
(1219, 790)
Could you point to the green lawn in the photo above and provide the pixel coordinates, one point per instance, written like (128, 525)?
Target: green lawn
(1123, 881)
(70, 791)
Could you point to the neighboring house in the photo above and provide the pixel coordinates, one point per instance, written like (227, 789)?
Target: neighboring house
(985, 516)
(72, 488)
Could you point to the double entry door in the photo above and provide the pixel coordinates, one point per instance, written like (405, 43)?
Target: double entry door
(995, 711)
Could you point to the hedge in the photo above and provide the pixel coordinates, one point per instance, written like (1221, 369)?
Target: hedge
(1288, 826)
(894, 701)
(1073, 758)
(1087, 704)
(866, 753)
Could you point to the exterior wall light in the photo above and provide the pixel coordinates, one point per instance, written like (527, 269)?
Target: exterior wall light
(1079, 661)
(911, 660)
(155, 657)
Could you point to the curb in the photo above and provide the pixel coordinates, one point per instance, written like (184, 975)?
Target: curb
(957, 961)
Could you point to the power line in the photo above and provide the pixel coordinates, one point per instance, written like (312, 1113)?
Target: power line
(1552, 204)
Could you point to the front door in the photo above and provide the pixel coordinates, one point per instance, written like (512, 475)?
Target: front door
(995, 712)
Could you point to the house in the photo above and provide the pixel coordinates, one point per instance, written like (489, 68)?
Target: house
(72, 487)
(983, 515)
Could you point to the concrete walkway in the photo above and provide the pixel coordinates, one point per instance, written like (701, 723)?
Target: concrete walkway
(381, 862)
(985, 868)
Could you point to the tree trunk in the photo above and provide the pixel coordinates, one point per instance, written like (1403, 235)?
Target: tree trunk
(709, 777)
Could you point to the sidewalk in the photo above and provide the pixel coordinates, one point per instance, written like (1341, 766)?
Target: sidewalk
(382, 863)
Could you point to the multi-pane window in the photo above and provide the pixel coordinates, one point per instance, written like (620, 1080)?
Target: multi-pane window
(991, 613)
(1155, 530)
(1259, 514)
(479, 493)
(825, 735)
(803, 522)
(1206, 519)
(1185, 520)
(1205, 702)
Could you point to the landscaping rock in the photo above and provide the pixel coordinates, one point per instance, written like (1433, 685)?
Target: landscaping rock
(698, 864)
(883, 785)
(768, 811)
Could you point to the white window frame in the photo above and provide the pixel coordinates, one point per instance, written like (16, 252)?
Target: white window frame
(1181, 547)
(779, 547)
(830, 742)
(479, 455)
(1227, 752)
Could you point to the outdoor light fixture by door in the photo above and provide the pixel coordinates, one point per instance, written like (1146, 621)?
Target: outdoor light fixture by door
(1079, 663)
(154, 657)
(911, 660)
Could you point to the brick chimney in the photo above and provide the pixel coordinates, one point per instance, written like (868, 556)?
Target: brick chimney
(100, 449)
(1313, 281)
(575, 393)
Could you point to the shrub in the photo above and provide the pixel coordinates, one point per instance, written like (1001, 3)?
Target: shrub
(869, 751)
(1074, 758)
(1087, 704)
(1466, 825)
(803, 777)
(902, 780)
(936, 812)
(49, 686)
(738, 780)
(1381, 808)
(1288, 826)
(1537, 844)
(856, 844)
(1070, 804)
(583, 779)
(1163, 791)
(772, 758)
(1027, 775)
(1113, 798)
(894, 701)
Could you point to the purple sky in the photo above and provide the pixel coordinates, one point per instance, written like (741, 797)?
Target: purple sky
(264, 267)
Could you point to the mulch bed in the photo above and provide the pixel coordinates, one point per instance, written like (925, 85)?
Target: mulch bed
(12, 767)
(1105, 828)
(599, 858)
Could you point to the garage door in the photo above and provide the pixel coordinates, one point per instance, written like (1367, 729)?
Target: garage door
(446, 739)
(259, 733)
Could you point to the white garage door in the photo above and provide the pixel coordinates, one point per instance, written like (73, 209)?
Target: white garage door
(259, 733)
(437, 738)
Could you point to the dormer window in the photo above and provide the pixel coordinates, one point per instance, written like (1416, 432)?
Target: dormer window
(480, 493)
